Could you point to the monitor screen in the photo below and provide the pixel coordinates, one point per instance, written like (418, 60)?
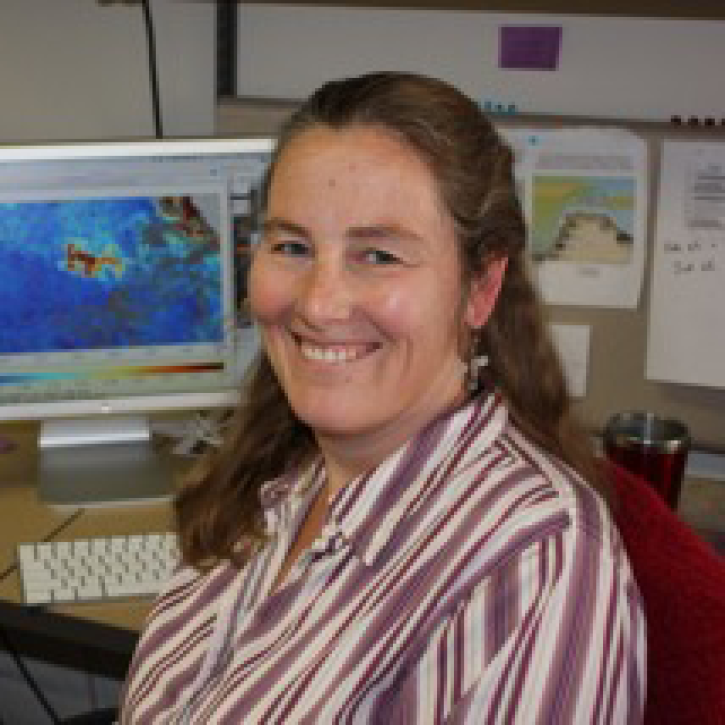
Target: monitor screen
(122, 275)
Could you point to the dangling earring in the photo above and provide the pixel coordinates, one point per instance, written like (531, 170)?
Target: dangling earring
(476, 364)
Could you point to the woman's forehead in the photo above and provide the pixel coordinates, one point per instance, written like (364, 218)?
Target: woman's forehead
(362, 175)
(367, 157)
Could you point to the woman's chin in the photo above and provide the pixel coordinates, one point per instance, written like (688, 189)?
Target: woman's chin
(332, 425)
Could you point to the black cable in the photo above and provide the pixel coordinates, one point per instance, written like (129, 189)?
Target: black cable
(32, 684)
(153, 73)
(226, 44)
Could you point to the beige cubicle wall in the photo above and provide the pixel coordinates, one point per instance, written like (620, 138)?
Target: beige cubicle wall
(616, 377)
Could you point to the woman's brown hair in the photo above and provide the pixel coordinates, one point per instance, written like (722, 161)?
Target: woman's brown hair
(219, 508)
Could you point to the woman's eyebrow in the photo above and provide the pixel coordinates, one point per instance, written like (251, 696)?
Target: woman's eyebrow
(390, 232)
(360, 233)
(282, 226)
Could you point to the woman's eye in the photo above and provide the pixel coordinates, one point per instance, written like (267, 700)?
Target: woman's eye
(379, 256)
(290, 248)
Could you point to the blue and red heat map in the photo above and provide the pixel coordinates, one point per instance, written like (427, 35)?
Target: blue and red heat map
(103, 273)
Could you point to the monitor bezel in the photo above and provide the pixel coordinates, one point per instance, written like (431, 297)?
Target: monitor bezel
(246, 340)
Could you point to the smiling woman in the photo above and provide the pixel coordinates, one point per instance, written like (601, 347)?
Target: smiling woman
(389, 535)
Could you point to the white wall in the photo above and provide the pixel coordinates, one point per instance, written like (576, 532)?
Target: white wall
(73, 69)
(627, 68)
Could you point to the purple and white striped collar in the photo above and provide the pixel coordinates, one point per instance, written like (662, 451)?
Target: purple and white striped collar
(370, 508)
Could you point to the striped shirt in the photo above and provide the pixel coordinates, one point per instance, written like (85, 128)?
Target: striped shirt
(469, 578)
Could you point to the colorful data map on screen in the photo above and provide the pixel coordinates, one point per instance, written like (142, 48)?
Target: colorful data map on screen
(101, 273)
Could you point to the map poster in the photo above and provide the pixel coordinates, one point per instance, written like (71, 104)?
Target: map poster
(584, 192)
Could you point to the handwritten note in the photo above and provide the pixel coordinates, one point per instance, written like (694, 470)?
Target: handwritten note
(686, 339)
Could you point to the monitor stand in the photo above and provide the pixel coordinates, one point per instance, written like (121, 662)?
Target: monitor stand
(101, 461)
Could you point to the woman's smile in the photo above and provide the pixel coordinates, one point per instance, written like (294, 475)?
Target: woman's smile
(333, 353)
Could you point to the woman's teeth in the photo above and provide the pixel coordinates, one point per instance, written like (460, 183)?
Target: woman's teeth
(336, 354)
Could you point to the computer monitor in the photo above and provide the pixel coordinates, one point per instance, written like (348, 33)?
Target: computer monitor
(122, 285)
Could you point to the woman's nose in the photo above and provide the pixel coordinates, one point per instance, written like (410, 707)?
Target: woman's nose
(325, 293)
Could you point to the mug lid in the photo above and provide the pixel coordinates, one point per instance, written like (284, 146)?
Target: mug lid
(641, 429)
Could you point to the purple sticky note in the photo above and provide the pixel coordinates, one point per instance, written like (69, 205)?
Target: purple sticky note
(533, 47)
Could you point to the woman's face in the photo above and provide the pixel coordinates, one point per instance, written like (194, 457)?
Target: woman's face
(356, 286)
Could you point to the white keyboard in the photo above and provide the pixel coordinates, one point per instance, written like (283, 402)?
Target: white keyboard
(97, 569)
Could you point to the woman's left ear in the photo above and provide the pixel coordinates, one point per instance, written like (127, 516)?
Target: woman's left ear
(484, 293)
